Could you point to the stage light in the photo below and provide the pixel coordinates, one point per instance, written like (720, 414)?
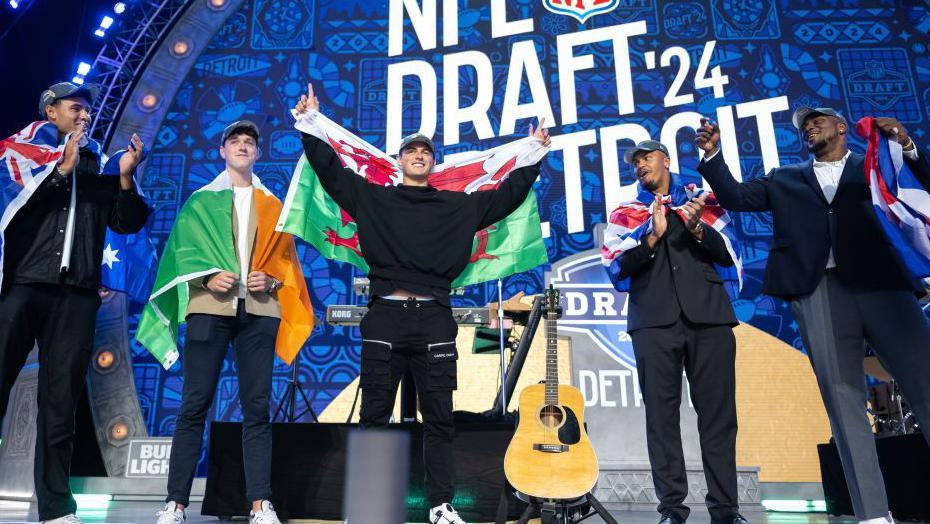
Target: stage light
(14, 4)
(105, 24)
(105, 359)
(180, 48)
(77, 80)
(83, 69)
(119, 8)
(217, 4)
(148, 102)
(119, 431)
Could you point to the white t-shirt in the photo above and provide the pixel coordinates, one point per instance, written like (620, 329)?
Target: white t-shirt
(243, 205)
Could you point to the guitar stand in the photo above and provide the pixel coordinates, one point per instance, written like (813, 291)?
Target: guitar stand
(569, 511)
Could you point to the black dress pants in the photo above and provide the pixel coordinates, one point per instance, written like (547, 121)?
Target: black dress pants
(398, 335)
(61, 319)
(707, 353)
(207, 340)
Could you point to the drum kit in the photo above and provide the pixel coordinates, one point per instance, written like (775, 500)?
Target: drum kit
(889, 410)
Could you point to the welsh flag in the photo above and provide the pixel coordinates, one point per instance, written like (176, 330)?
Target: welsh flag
(200, 244)
(510, 246)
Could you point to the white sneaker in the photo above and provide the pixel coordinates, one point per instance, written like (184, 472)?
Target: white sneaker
(171, 514)
(444, 514)
(879, 520)
(265, 516)
(67, 519)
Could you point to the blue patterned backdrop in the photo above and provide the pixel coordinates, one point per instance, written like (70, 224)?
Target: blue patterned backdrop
(861, 57)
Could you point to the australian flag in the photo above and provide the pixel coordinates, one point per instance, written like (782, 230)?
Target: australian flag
(26, 160)
(901, 203)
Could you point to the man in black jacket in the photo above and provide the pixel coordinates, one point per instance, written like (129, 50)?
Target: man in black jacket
(680, 319)
(416, 240)
(52, 255)
(846, 284)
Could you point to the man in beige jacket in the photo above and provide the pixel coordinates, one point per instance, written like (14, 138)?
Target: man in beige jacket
(242, 308)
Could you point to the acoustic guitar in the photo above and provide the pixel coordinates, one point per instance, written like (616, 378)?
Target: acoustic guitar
(550, 456)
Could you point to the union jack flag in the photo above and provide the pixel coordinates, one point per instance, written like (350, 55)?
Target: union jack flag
(901, 203)
(632, 221)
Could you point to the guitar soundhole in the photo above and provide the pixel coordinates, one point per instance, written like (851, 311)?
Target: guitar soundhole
(551, 416)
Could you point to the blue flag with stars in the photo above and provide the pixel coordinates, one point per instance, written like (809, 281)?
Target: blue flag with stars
(129, 263)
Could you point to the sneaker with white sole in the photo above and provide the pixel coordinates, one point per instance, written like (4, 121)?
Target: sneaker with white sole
(171, 514)
(444, 514)
(266, 515)
(71, 518)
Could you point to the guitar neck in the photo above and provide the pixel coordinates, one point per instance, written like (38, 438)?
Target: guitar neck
(552, 359)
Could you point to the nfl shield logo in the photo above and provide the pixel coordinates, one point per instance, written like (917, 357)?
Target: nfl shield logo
(581, 10)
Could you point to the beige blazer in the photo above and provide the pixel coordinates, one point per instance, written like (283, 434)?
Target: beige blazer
(202, 300)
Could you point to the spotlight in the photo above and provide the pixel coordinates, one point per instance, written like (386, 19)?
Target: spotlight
(77, 80)
(105, 24)
(217, 4)
(119, 8)
(14, 4)
(83, 69)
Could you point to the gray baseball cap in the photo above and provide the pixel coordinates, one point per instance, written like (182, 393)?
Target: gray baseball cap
(645, 145)
(417, 138)
(66, 90)
(803, 113)
(246, 126)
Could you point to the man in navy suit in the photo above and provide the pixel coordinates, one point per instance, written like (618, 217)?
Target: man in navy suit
(846, 284)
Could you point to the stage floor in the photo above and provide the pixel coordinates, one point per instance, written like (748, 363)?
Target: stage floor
(144, 513)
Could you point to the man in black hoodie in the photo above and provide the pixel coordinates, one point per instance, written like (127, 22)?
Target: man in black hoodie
(416, 240)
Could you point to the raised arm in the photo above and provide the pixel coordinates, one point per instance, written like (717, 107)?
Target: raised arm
(915, 158)
(494, 205)
(735, 196)
(342, 184)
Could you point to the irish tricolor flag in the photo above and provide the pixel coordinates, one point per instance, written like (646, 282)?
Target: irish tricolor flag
(510, 246)
(200, 244)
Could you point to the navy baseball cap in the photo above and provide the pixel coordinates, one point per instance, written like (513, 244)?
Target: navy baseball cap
(241, 126)
(803, 113)
(66, 90)
(417, 138)
(645, 145)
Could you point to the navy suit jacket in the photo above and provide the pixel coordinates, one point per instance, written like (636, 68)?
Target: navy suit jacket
(806, 226)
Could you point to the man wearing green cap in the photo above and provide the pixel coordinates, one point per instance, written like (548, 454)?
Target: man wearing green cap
(52, 236)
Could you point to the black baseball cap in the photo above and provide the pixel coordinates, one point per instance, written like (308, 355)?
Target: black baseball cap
(645, 145)
(803, 113)
(414, 139)
(66, 90)
(240, 126)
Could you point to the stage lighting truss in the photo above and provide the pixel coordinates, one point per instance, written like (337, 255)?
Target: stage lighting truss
(143, 25)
